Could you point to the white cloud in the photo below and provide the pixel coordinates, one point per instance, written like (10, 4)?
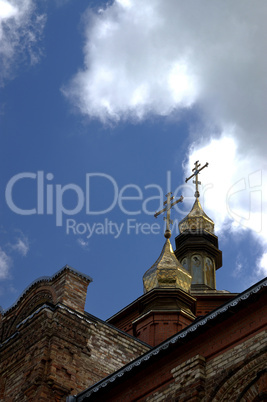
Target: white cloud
(232, 191)
(5, 264)
(238, 268)
(232, 185)
(21, 246)
(7, 10)
(131, 69)
(144, 57)
(262, 264)
(148, 57)
(21, 28)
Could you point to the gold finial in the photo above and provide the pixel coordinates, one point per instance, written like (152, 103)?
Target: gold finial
(196, 171)
(168, 207)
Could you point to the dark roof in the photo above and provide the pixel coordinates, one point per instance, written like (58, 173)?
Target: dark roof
(194, 328)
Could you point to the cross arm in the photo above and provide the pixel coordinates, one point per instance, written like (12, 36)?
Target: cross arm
(206, 165)
(196, 171)
(192, 175)
(179, 200)
(159, 212)
(166, 202)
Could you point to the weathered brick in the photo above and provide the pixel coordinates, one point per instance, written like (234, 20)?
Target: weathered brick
(58, 350)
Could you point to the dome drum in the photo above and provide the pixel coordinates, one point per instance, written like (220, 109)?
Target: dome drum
(187, 243)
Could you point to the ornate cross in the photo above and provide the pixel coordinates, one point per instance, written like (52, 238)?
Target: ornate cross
(168, 207)
(196, 171)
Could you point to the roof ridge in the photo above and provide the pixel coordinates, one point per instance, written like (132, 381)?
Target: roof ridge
(44, 279)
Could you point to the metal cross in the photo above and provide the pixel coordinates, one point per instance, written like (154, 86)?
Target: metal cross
(196, 171)
(168, 207)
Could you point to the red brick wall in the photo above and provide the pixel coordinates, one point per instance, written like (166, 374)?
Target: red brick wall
(227, 360)
(55, 351)
(156, 327)
(205, 303)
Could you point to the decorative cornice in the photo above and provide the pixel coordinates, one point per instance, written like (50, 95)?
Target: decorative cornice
(80, 316)
(43, 307)
(9, 339)
(45, 279)
(50, 308)
(144, 299)
(171, 341)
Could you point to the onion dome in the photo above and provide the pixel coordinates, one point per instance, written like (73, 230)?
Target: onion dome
(167, 272)
(196, 220)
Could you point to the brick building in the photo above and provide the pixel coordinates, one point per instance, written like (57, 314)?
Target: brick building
(50, 347)
(182, 340)
(219, 357)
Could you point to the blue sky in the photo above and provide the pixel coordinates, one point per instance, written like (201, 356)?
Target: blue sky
(108, 101)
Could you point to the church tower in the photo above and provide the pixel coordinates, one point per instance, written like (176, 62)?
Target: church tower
(197, 245)
(180, 285)
(166, 306)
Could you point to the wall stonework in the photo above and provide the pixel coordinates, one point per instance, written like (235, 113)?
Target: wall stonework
(231, 375)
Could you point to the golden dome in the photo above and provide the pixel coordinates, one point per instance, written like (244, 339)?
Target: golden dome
(167, 272)
(196, 220)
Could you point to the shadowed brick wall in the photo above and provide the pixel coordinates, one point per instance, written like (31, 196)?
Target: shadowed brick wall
(51, 348)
